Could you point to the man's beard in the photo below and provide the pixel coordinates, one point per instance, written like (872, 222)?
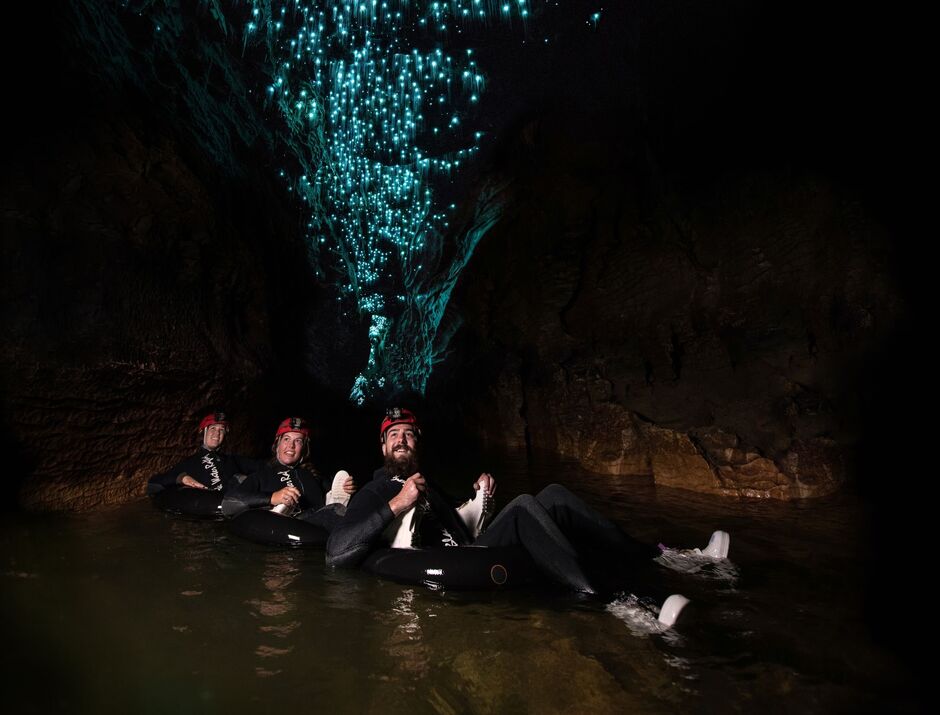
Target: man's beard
(402, 465)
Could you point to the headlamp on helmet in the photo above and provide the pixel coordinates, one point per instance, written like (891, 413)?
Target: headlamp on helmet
(213, 418)
(398, 416)
(293, 424)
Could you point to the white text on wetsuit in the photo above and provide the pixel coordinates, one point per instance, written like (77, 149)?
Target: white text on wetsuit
(286, 478)
(215, 481)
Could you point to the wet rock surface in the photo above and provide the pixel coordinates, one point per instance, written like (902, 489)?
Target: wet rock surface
(128, 311)
(709, 339)
(141, 289)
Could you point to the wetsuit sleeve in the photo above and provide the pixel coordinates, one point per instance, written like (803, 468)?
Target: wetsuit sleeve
(167, 479)
(247, 495)
(359, 531)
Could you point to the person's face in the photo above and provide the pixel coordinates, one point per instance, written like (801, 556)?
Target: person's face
(290, 448)
(214, 436)
(400, 444)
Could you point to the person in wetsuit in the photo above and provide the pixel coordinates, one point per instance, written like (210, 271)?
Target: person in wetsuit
(209, 468)
(282, 483)
(545, 524)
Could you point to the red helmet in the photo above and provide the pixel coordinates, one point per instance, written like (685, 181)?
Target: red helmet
(398, 416)
(293, 424)
(213, 418)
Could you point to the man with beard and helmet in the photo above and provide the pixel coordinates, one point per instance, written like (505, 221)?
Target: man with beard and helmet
(209, 468)
(545, 524)
(284, 485)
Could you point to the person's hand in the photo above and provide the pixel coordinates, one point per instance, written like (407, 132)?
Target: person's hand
(409, 495)
(188, 481)
(349, 486)
(288, 496)
(486, 483)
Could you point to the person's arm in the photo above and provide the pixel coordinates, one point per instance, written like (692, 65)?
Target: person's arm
(247, 495)
(171, 478)
(367, 516)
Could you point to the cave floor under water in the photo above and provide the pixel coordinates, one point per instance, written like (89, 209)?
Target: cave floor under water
(134, 610)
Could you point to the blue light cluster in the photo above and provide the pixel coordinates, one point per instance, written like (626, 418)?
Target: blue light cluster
(378, 114)
(376, 102)
(359, 98)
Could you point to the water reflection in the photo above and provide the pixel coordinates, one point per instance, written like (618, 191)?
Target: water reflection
(405, 642)
(274, 610)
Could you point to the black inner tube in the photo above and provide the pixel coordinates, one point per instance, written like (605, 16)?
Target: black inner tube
(465, 568)
(197, 503)
(267, 527)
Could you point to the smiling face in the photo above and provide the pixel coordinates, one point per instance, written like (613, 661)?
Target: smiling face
(400, 449)
(290, 448)
(213, 437)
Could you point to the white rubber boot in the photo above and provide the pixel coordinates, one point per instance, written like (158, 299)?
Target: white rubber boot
(475, 512)
(671, 609)
(338, 495)
(718, 545)
(403, 532)
(717, 548)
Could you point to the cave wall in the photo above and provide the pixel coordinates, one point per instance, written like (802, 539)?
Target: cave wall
(136, 296)
(704, 254)
(707, 272)
(143, 281)
(712, 339)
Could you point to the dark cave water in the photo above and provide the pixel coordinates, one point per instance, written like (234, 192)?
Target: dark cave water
(133, 610)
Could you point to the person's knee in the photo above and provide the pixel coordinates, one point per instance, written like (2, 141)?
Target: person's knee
(554, 494)
(526, 502)
(232, 507)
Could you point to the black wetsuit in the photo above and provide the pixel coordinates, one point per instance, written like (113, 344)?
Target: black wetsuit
(368, 515)
(544, 525)
(256, 490)
(215, 470)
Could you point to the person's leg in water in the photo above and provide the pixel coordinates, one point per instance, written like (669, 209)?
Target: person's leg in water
(567, 539)
(325, 517)
(588, 528)
(611, 559)
(525, 522)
